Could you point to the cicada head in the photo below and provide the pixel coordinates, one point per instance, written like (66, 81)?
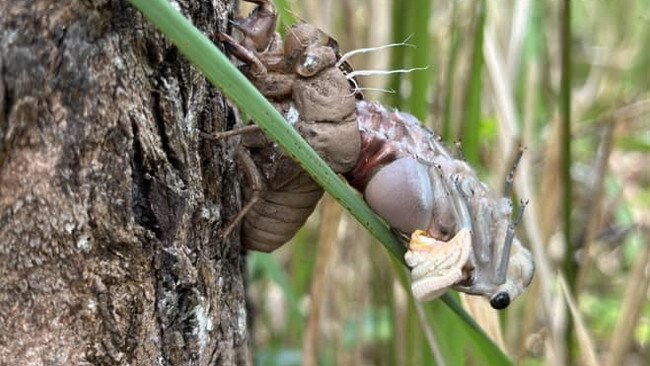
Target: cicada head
(483, 258)
(437, 266)
(309, 49)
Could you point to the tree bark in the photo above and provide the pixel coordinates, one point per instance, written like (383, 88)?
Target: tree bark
(110, 202)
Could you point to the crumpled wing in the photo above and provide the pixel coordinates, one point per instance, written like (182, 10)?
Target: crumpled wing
(436, 265)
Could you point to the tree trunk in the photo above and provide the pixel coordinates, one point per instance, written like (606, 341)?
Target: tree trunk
(110, 202)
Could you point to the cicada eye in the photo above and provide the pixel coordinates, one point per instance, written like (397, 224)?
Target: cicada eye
(309, 65)
(500, 301)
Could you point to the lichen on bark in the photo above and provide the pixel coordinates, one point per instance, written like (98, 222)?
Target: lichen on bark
(109, 199)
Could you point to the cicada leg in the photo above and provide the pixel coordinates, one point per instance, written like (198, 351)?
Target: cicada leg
(246, 55)
(273, 85)
(259, 26)
(507, 185)
(256, 184)
(231, 133)
(502, 268)
(515, 267)
(508, 269)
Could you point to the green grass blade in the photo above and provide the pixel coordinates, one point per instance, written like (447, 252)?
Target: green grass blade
(473, 115)
(286, 18)
(397, 54)
(262, 264)
(484, 346)
(446, 129)
(421, 57)
(569, 265)
(200, 51)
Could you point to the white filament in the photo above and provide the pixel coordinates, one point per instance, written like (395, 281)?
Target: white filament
(381, 90)
(382, 72)
(348, 55)
(358, 89)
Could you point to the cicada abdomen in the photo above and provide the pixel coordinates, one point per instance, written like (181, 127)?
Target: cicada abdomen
(462, 235)
(280, 195)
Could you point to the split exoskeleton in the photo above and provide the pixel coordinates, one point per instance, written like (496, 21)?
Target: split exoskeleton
(461, 234)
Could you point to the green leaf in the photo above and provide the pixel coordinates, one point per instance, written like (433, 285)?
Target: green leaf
(421, 57)
(475, 84)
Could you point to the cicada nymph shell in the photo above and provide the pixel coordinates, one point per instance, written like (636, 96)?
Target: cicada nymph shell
(300, 77)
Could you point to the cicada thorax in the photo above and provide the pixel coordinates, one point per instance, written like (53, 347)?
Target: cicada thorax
(279, 214)
(399, 171)
(387, 135)
(288, 196)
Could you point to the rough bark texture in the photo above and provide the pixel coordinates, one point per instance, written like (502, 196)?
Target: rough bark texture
(109, 200)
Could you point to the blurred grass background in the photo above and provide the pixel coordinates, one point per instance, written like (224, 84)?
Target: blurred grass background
(500, 74)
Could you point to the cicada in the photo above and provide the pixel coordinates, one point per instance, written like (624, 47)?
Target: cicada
(459, 233)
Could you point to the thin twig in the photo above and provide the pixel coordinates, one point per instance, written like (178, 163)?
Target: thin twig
(569, 265)
(638, 283)
(327, 241)
(520, 21)
(428, 334)
(587, 348)
(592, 206)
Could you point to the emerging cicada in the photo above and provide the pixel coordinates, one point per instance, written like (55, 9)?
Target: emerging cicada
(461, 234)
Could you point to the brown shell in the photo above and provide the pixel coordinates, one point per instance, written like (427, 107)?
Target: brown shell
(322, 109)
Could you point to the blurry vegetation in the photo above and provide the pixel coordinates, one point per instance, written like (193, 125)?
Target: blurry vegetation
(332, 297)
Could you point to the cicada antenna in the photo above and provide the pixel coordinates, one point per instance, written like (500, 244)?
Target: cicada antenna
(502, 268)
(346, 56)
